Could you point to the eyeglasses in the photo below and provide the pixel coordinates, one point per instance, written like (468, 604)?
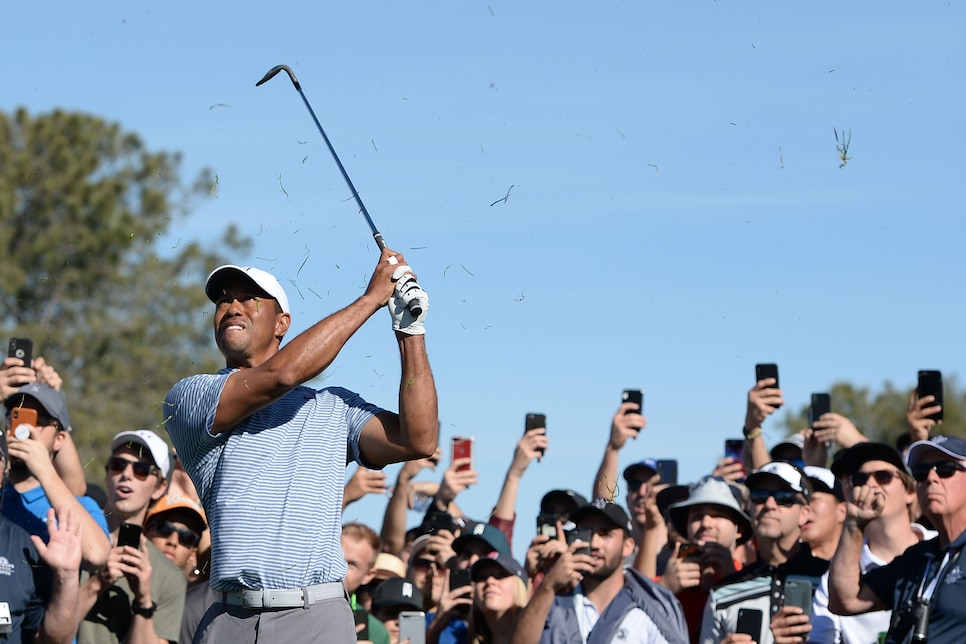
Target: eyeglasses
(164, 529)
(882, 477)
(944, 469)
(140, 469)
(785, 498)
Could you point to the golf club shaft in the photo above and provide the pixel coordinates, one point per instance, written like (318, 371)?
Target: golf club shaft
(414, 308)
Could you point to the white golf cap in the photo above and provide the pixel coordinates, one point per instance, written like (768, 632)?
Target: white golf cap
(160, 453)
(262, 279)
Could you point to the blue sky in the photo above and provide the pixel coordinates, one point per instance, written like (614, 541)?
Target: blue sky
(677, 210)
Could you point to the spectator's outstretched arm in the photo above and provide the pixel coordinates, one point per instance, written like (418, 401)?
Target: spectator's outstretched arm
(655, 534)
(68, 466)
(627, 423)
(394, 521)
(454, 481)
(530, 446)
(62, 554)
(36, 455)
(362, 482)
(918, 416)
(836, 428)
(763, 400)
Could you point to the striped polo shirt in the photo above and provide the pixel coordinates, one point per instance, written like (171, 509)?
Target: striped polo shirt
(271, 486)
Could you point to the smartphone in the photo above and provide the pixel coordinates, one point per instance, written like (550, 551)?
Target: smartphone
(22, 348)
(580, 534)
(437, 520)
(749, 622)
(798, 592)
(21, 416)
(459, 577)
(931, 384)
(361, 617)
(547, 525)
(821, 404)
(129, 535)
(688, 550)
(735, 448)
(767, 370)
(667, 469)
(532, 422)
(412, 626)
(635, 396)
(463, 448)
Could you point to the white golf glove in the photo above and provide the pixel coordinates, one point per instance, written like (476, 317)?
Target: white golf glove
(407, 290)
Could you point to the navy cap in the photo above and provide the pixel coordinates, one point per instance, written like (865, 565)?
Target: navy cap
(641, 470)
(509, 564)
(952, 446)
(563, 497)
(491, 536)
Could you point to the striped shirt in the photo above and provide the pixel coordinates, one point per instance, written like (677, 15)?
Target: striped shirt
(271, 486)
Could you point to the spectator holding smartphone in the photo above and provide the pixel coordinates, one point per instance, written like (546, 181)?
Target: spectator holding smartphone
(499, 594)
(139, 594)
(33, 485)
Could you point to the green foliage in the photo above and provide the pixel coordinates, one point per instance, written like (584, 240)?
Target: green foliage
(881, 415)
(83, 207)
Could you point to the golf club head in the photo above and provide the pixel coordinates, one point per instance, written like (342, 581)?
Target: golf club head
(270, 74)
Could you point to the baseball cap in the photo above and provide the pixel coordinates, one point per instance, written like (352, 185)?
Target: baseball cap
(953, 446)
(169, 503)
(505, 562)
(612, 512)
(796, 440)
(397, 592)
(641, 470)
(561, 497)
(823, 480)
(848, 461)
(785, 473)
(262, 279)
(388, 566)
(670, 495)
(711, 490)
(53, 402)
(482, 532)
(158, 449)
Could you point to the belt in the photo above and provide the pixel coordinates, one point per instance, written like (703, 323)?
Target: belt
(289, 598)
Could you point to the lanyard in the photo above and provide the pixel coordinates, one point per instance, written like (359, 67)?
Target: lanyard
(927, 590)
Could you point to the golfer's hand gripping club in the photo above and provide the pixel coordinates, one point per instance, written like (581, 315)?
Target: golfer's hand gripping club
(413, 302)
(407, 297)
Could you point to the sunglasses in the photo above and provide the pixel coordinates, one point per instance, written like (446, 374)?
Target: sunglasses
(164, 529)
(423, 564)
(882, 477)
(944, 469)
(785, 498)
(634, 485)
(140, 469)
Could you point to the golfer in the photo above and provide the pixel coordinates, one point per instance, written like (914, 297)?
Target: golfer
(268, 455)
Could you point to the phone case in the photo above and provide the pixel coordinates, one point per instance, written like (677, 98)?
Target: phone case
(768, 370)
(129, 535)
(634, 396)
(22, 348)
(667, 469)
(412, 626)
(821, 404)
(580, 534)
(798, 592)
(749, 622)
(463, 448)
(22, 416)
(931, 384)
(459, 577)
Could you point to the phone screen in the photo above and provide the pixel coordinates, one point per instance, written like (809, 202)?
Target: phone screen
(463, 448)
(931, 384)
(821, 404)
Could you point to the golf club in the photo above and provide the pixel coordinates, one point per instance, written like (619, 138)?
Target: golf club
(414, 308)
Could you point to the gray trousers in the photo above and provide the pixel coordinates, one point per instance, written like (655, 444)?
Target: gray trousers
(329, 620)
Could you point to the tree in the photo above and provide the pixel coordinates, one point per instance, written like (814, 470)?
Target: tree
(882, 416)
(83, 206)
